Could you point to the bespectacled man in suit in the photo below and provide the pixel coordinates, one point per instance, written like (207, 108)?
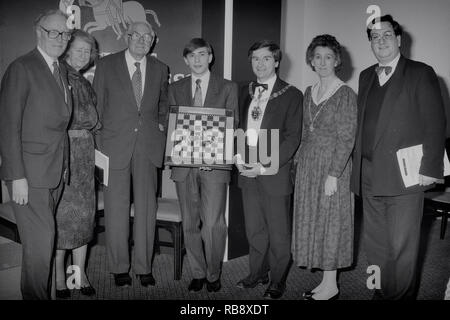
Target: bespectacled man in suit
(202, 191)
(266, 105)
(35, 108)
(131, 89)
(399, 105)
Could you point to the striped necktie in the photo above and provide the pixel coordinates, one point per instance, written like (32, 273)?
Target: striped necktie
(137, 84)
(198, 100)
(57, 75)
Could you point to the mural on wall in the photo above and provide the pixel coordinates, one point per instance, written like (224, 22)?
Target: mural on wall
(108, 20)
(111, 13)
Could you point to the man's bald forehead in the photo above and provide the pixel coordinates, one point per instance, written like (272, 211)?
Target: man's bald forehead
(134, 25)
(49, 17)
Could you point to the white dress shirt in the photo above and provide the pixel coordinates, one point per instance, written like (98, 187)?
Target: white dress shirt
(132, 68)
(203, 85)
(383, 78)
(253, 126)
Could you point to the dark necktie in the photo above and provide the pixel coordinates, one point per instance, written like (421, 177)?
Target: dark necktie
(379, 70)
(198, 99)
(57, 75)
(136, 80)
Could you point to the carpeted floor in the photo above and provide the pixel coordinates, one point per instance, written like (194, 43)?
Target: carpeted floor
(434, 275)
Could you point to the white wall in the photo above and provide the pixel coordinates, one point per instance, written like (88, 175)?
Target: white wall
(427, 23)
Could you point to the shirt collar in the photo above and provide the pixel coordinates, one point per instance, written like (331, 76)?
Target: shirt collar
(129, 58)
(49, 60)
(392, 64)
(270, 83)
(205, 77)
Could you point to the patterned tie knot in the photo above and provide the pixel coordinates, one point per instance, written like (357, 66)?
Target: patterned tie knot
(198, 82)
(138, 65)
(379, 69)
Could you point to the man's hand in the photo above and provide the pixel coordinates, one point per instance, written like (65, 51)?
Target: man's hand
(330, 186)
(425, 181)
(253, 171)
(237, 159)
(20, 191)
(161, 127)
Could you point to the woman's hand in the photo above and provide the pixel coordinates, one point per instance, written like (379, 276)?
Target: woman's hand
(330, 186)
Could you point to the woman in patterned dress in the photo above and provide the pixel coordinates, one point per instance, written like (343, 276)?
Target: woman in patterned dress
(75, 215)
(322, 235)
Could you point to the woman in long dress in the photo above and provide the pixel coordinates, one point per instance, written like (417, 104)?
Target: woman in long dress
(75, 216)
(322, 235)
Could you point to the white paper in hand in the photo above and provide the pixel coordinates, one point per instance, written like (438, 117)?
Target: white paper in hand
(102, 162)
(409, 160)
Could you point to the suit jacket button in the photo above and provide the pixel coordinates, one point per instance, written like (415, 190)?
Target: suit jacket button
(135, 129)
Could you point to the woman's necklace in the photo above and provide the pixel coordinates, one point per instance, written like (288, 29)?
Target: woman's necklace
(322, 104)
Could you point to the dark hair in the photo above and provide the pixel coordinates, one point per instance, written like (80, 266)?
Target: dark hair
(43, 16)
(324, 40)
(86, 37)
(386, 18)
(269, 44)
(194, 44)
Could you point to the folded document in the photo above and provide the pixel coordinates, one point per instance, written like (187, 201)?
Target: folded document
(102, 162)
(409, 160)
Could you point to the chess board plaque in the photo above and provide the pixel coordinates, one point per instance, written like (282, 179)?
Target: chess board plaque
(200, 137)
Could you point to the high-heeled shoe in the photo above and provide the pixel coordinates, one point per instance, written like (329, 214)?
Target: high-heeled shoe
(309, 293)
(335, 297)
(87, 291)
(63, 294)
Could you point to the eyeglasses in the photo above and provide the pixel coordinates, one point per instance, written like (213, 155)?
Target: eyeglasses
(385, 36)
(53, 34)
(137, 36)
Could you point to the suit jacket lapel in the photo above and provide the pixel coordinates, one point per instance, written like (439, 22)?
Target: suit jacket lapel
(246, 104)
(151, 81)
(124, 76)
(186, 92)
(389, 101)
(211, 94)
(271, 106)
(362, 100)
(46, 70)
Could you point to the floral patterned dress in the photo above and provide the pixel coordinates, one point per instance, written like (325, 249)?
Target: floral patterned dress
(323, 225)
(75, 216)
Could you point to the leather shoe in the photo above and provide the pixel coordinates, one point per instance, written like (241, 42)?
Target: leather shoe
(87, 291)
(335, 297)
(250, 282)
(274, 291)
(147, 280)
(214, 286)
(196, 284)
(63, 294)
(122, 279)
(308, 294)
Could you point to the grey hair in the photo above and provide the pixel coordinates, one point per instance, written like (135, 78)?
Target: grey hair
(135, 23)
(44, 16)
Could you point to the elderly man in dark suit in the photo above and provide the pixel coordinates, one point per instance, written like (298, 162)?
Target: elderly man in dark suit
(400, 105)
(35, 108)
(270, 106)
(131, 89)
(202, 191)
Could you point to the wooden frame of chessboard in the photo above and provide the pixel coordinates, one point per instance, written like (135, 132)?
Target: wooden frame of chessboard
(200, 137)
